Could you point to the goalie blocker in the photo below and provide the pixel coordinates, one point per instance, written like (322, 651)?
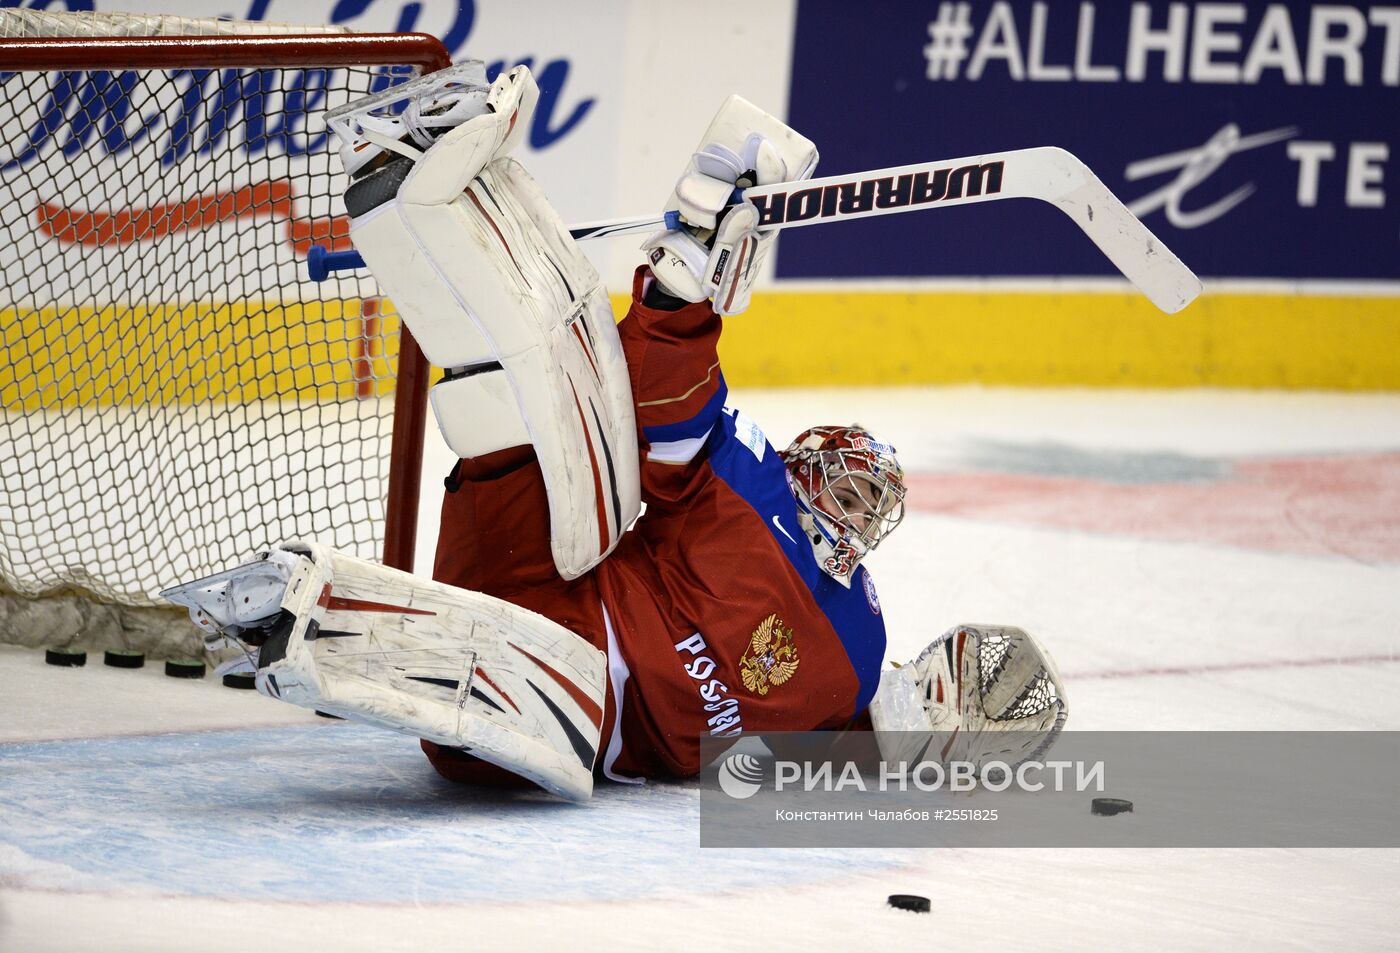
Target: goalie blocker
(497, 293)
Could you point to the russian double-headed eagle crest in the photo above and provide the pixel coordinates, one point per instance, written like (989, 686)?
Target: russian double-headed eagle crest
(771, 658)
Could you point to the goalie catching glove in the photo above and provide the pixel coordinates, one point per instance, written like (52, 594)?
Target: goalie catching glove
(718, 252)
(979, 694)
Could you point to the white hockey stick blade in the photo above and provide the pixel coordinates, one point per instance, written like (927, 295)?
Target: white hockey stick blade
(1045, 173)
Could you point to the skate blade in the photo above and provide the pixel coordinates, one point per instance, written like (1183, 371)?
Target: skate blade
(198, 593)
(243, 594)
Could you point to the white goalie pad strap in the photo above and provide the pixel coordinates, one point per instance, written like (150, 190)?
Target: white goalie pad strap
(678, 451)
(478, 414)
(976, 694)
(493, 276)
(459, 668)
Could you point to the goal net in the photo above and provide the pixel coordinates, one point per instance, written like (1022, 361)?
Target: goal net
(174, 392)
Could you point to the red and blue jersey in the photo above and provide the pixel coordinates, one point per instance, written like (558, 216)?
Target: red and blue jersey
(720, 620)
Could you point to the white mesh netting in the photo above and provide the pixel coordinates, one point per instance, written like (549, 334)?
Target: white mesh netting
(994, 651)
(175, 394)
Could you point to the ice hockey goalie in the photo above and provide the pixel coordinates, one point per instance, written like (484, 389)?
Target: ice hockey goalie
(563, 636)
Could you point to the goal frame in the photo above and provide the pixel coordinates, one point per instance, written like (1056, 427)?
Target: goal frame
(286, 51)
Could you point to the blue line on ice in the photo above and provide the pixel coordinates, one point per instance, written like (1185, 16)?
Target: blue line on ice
(353, 814)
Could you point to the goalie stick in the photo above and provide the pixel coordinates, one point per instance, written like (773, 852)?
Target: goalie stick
(1046, 173)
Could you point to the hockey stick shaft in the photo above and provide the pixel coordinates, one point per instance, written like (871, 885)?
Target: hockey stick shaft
(1045, 173)
(321, 261)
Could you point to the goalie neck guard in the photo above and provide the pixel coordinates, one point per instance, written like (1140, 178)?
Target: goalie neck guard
(850, 494)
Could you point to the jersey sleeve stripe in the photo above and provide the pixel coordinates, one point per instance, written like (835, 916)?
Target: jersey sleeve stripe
(697, 425)
(709, 374)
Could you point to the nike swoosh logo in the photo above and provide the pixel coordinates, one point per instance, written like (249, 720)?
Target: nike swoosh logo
(781, 530)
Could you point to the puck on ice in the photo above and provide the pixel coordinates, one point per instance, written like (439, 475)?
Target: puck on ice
(240, 680)
(184, 668)
(67, 657)
(123, 658)
(909, 901)
(1108, 806)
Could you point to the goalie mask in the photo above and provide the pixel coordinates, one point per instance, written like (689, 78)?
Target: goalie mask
(850, 494)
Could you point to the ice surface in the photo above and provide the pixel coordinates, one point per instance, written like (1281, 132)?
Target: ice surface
(345, 811)
(1182, 555)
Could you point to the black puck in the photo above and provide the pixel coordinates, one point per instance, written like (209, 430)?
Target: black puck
(326, 714)
(1108, 806)
(909, 901)
(68, 657)
(184, 668)
(124, 658)
(239, 680)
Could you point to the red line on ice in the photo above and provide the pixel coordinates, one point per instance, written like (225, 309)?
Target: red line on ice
(1243, 666)
(1335, 505)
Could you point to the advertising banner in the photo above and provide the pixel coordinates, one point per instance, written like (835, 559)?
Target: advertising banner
(1258, 140)
(1087, 789)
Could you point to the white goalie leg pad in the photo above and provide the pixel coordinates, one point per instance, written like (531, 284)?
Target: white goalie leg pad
(485, 273)
(389, 649)
(978, 694)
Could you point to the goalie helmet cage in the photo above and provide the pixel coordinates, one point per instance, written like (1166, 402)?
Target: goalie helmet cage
(174, 392)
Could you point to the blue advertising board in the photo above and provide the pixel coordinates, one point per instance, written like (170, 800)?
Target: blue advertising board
(1258, 140)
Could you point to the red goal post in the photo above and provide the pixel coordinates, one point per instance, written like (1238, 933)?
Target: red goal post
(178, 254)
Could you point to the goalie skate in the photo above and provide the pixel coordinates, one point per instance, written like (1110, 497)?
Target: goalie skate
(408, 118)
(385, 648)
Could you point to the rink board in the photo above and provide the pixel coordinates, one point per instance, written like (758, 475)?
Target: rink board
(185, 353)
(889, 336)
(1064, 338)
